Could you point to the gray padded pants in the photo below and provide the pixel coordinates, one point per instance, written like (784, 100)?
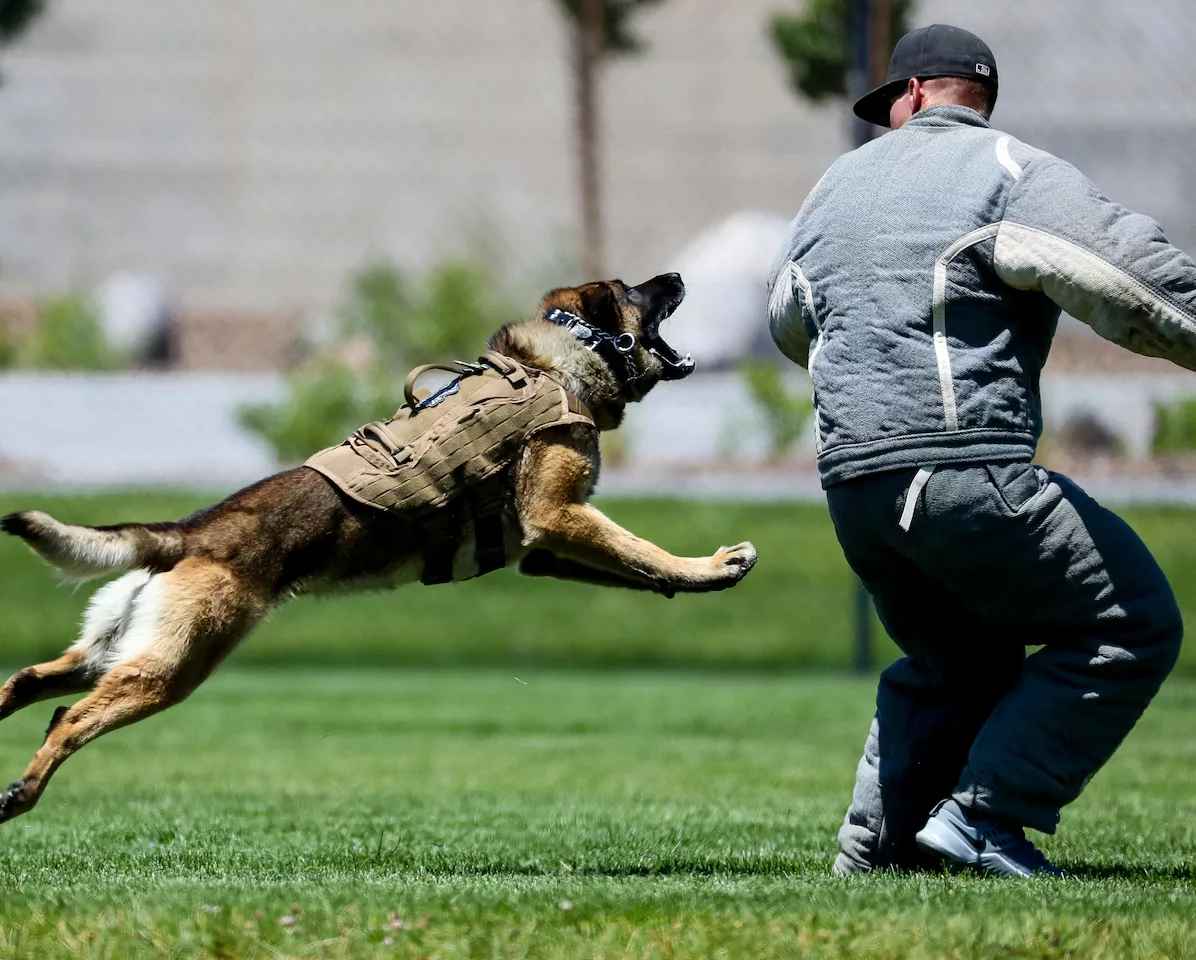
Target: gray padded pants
(997, 558)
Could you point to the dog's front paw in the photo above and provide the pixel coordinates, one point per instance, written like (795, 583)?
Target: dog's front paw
(734, 563)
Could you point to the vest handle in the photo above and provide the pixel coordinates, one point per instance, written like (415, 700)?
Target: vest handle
(513, 372)
(459, 367)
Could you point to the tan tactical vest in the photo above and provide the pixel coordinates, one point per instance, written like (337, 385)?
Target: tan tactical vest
(458, 441)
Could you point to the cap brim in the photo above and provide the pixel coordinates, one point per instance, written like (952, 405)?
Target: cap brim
(874, 106)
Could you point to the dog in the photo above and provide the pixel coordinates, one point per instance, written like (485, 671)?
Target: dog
(193, 589)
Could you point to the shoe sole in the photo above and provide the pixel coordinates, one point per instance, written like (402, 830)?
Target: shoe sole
(939, 839)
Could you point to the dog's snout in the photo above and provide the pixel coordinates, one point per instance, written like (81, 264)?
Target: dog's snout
(667, 285)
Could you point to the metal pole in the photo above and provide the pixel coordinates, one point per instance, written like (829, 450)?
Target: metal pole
(863, 655)
(880, 41)
(591, 29)
(861, 21)
(863, 652)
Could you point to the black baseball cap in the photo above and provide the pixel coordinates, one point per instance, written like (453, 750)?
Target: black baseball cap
(939, 50)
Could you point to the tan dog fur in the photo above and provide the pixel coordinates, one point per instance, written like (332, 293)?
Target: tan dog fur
(197, 587)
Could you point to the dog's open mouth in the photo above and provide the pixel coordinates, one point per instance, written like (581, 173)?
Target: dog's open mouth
(675, 366)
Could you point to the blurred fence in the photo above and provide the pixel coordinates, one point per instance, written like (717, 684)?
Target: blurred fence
(230, 165)
(1107, 84)
(251, 155)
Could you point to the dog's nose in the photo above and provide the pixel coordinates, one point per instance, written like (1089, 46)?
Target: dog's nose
(664, 285)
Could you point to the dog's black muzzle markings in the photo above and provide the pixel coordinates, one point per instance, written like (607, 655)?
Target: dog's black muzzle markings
(659, 298)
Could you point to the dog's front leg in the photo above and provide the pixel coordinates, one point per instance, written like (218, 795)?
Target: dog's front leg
(552, 485)
(541, 563)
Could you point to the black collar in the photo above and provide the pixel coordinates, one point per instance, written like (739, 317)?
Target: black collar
(616, 350)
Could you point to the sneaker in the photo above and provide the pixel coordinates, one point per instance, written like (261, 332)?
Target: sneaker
(990, 846)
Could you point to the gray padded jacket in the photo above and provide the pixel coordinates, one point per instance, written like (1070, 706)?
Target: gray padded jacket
(922, 281)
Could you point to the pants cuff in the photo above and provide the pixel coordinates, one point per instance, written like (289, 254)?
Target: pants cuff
(997, 804)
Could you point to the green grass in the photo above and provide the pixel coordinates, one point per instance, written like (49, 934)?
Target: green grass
(793, 611)
(550, 814)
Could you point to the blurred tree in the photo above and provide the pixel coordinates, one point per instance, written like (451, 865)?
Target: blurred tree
(16, 15)
(601, 28)
(8, 350)
(817, 44)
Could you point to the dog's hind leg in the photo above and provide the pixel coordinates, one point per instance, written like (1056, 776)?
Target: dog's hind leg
(83, 664)
(183, 623)
(126, 694)
(56, 678)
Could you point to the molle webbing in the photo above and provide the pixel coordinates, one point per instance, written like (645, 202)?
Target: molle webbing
(455, 442)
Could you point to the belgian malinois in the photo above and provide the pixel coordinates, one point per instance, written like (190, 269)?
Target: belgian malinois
(198, 586)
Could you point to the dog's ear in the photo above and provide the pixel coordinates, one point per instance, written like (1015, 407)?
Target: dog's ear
(599, 306)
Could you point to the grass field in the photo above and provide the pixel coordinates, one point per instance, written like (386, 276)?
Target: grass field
(550, 814)
(346, 807)
(793, 611)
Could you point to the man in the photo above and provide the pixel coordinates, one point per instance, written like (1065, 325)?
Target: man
(922, 282)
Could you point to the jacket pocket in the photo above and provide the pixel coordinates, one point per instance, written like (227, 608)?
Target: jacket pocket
(1017, 484)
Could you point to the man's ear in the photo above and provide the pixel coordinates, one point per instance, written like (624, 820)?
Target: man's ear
(917, 96)
(599, 307)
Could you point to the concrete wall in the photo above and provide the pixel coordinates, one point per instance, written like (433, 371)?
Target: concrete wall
(251, 152)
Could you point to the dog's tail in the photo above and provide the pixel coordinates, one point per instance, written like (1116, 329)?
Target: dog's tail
(82, 553)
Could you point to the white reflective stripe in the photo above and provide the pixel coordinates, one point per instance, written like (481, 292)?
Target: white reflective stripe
(808, 308)
(1006, 158)
(805, 289)
(1117, 305)
(943, 359)
(785, 320)
(941, 355)
(817, 418)
(911, 498)
(780, 301)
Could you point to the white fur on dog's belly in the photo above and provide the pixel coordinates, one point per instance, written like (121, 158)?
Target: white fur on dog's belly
(143, 624)
(108, 614)
(108, 609)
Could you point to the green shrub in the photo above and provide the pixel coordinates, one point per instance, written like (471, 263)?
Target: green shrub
(325, 403)
(8, 350)
(1174, 427)
(68, 336)
(450, 315)
(785, 412)
(379, 306)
